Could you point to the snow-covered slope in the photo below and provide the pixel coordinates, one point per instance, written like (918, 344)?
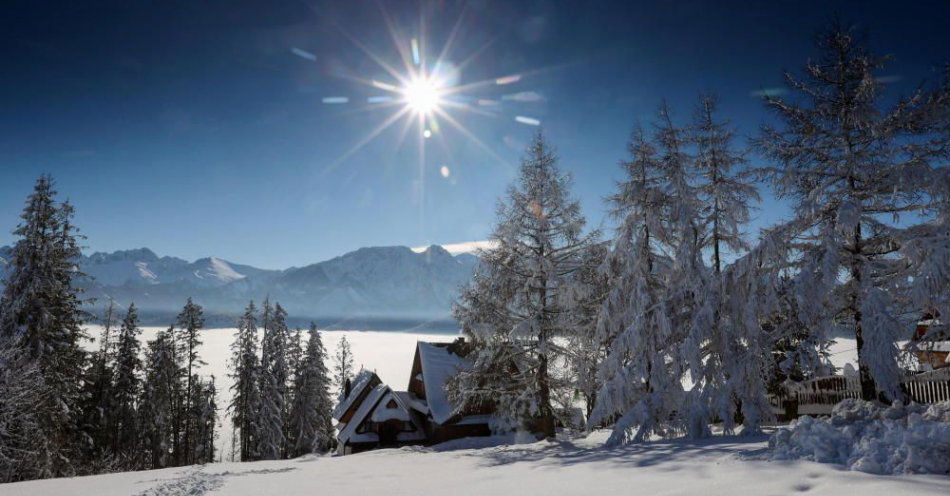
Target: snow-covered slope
(142, 267)
(379, 282)
(473, 467)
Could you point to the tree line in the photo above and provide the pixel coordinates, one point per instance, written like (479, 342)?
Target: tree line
(281, 404)
(68, 411)
(680, 320)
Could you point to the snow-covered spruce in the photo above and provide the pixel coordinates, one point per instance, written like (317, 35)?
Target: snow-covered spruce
(871, 438)
(273, 382)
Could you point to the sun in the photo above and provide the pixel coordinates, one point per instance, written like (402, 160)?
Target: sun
(422, 95)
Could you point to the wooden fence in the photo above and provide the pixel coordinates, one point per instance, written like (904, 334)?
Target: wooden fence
(818, 396)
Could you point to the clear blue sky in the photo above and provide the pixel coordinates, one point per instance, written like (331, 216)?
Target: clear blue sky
(199, 128)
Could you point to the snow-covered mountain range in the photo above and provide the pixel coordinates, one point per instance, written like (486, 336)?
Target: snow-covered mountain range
(392, 282)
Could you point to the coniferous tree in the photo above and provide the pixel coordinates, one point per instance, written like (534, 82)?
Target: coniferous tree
(273, 383)
(311, 424)
(641, 390)
(588, 348)
(528, 276)
(342, 366)
(128, 369)
(858, 173)
(41, 310)
(203, 416)
(725, 191)
(245, 372)
(157, 412)
(98, 395)
(294, 356)
(190, 321)
(23, 391)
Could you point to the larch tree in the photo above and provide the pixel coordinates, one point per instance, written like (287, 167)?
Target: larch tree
(725, 191)
(864, 180)
(539, 246)
(641, 388)
(588, 348)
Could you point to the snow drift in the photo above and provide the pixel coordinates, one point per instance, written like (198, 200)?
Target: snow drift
(867, 437)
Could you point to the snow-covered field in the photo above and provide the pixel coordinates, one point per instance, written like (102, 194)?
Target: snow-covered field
(723, 466)
(389, 353)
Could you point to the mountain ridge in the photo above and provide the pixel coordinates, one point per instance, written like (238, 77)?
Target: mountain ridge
(380, 282)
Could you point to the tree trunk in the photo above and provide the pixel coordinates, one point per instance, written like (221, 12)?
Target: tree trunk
(868, 386)
(546, 416)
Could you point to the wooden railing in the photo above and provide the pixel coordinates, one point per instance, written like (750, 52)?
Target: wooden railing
(818, 396)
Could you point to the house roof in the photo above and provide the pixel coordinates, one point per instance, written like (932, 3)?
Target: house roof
(362, 411)
(438, 365)
(360, 382)
(369, 408)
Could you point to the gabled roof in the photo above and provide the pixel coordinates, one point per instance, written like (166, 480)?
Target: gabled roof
(370, 408)
(359, 383)
(361, 412)
(438, 365)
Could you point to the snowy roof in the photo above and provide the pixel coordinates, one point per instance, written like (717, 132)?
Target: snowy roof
(413, 402)
(370, 407)
(383, 413)
(438, 365)
(365, 407)
(363, 379)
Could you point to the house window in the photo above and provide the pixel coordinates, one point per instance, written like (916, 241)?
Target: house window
(391, 404)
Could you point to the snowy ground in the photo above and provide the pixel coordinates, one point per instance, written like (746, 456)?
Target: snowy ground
(389, 353)
(723, 466)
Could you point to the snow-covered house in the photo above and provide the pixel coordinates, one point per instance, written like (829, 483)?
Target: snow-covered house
(933, 354)
(372, 415)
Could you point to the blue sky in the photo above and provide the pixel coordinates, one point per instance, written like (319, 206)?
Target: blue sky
(201, 128)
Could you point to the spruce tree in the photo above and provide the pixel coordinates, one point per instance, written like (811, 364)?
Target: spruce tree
(24, 392)
(245, 374)
(157, 412)
(342, 366)
(98, 407)
(273, 383)
(128, 369)
(190, 321)
(311, 424)
(42, 311)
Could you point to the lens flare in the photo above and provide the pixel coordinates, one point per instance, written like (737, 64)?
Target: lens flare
(422, 95)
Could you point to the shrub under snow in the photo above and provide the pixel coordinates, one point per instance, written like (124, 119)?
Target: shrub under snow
(868, 437)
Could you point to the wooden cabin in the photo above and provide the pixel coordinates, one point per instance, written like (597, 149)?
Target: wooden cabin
(931, 355)
(372, 415)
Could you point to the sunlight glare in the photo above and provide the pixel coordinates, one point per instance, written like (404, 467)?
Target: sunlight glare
(422, 95)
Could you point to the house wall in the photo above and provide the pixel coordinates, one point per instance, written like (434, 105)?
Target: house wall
(443, 433)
